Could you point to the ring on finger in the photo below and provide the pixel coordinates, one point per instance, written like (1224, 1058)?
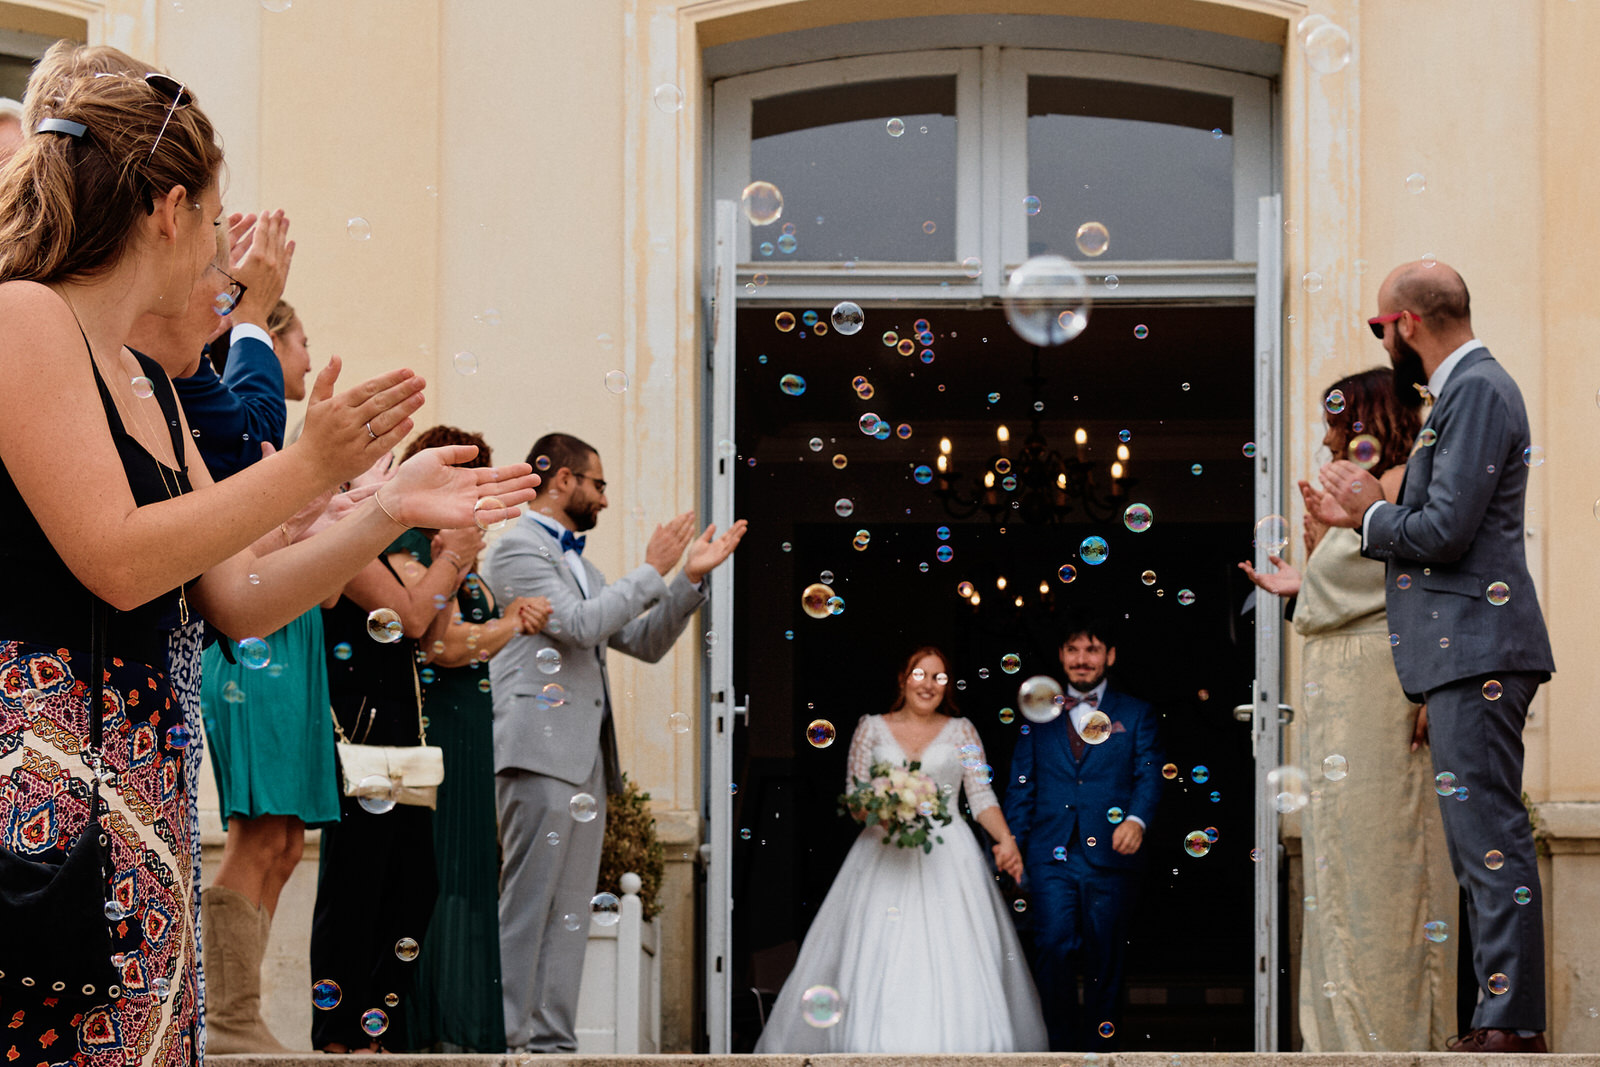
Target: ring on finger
(370, 433)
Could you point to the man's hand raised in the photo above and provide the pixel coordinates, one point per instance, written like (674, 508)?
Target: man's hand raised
(668, 542)
(706, 555)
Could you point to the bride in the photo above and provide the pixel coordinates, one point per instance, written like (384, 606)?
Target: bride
(914, 951)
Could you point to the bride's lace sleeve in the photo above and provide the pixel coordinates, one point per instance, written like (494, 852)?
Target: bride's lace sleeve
(979, 796)
(860, 765)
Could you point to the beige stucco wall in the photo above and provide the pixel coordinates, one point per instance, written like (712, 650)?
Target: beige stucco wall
(508, 156)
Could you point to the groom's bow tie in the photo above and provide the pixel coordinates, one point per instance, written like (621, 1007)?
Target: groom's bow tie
(571, 542)
(1091, 699)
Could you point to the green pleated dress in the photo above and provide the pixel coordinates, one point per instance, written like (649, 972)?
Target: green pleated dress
(457, 1002)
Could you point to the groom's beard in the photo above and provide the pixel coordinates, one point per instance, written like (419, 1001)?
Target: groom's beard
(1409, 376)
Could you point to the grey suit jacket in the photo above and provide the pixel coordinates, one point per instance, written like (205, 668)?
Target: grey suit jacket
(640, 614)
(1455, 532)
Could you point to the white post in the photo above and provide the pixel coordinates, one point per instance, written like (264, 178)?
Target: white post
(628, 938)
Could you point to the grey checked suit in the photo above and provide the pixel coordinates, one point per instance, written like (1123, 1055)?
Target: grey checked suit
(544, 755)
(1456, 531)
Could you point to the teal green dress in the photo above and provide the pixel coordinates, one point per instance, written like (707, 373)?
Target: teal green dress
(268, 729)
(457, 1005)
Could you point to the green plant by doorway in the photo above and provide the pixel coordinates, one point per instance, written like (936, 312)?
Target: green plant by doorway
(631, 845)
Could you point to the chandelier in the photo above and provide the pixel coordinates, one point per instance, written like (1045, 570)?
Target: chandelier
(1035, 483)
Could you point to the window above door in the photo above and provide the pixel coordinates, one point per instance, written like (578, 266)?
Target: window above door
(931, 175)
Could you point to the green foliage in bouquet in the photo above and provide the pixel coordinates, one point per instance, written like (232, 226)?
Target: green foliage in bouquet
(630, 845)
(903, 800)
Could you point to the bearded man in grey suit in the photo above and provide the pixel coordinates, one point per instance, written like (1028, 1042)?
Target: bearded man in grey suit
(554, 737)
(1469, 639)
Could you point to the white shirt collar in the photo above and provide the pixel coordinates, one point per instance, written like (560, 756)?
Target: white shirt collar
(1099, 691)
(1441, 373)
(547, 522)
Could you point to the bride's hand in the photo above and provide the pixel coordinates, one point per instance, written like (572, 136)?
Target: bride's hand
(429, 490)
(1008, 859)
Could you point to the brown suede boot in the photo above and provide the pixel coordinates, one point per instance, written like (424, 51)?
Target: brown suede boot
(234, 932)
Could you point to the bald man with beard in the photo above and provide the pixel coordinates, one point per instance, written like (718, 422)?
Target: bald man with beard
(1468, 637)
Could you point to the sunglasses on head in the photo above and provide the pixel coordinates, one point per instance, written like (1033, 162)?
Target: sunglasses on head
(175, 92)
(1376, 323)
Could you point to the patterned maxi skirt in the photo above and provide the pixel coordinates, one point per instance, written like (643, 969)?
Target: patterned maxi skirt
(147, 810)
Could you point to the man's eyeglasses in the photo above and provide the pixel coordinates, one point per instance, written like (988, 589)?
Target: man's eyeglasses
(173, 90)
(224, 302)
(599, 483)
(1377, 321)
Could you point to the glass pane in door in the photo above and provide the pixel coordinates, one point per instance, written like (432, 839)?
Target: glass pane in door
(1152, 165)
(867, 171)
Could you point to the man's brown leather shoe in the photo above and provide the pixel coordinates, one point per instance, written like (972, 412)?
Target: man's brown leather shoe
(1485, 1039)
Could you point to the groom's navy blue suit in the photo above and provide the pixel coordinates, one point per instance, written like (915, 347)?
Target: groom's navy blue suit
(1081, 904)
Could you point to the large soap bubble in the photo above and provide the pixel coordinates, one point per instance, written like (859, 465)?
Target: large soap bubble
(1047, 300)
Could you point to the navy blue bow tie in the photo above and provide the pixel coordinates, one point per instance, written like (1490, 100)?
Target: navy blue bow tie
(571, 542)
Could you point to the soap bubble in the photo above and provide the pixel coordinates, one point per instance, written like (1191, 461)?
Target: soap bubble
(1335, 767)
(1094, 551)
(616, 382)
(326, 994)
(844, 507)
(1522, 894)
(1137, 517)
(1272, 534)
(480, 515)
(1047, 301)
(406, 949)
(1148, 577)
(1186, 597)
(1141, 331)
(862, 539)
(1311, 282)
(384, 626)
(1494, 859)
(1492, 690)
(1327, 49)
(179, 736)
(548, 660)
(1196, 843)
(814, 600)
(895, 127)
(1334, 402)
(847, 318)
(374, 1021)
(583, 807)
(1499, 984)
(254, 653)
(972, 267)
(1169, 771)
(1365, 451)
(762, 203)
(1032, 205)
(1040, 698)
(923, 474)
(821, 1006)
(1436, 931)
(1067, 573)
(605, 909)
(143, 387)
(792, 384)
(358, 228)
(1290, 786)
(1200, 774)
(1444, 783)
(1416, 182)
(1533, 456)
(1107, 1029)
(1428, 437)
(868, 423)
(1093, 238)
(1115, 815)
(375, 794)
(1249, 450)
(1498, 593)
(678, 722)
(820, 733)
(668, 98)
(1011, 663)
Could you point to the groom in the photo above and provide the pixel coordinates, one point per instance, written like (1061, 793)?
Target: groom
(1079, 814)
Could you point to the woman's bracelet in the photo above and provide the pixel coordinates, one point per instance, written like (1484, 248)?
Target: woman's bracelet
(379, 498)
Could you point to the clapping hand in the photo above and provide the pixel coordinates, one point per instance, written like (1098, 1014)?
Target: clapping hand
(530, 613)
(1008, 859)
(1348, 491)
(1315, 528)
(668, 542)
(705, 555)
(345, 434)
(430, 490)
(259, 257)
(1285, 581)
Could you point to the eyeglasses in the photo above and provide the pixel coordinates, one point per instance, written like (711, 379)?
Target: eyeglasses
(227, 300)
(1377, 321)
(599, 483)
(175, 91)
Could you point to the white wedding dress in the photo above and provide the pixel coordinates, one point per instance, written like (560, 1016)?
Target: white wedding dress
(918, 945)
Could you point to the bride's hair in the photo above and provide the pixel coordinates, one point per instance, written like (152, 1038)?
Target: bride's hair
(947, 706)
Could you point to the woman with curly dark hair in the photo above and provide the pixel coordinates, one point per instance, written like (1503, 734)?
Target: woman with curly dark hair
(1376, 869)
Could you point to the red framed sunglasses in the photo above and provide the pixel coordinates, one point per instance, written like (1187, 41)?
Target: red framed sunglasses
(1377, 322)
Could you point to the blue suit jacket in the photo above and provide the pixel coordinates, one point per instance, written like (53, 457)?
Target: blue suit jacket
(1053, 799)
(234, 412)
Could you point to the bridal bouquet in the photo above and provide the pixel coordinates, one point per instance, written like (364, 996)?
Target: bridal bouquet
(904, 801)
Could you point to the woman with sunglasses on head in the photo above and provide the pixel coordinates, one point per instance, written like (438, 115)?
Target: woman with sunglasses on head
(917, 946)
(1376, 865)
(116, 542)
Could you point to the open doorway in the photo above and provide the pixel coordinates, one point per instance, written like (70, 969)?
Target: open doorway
(1172, 388)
